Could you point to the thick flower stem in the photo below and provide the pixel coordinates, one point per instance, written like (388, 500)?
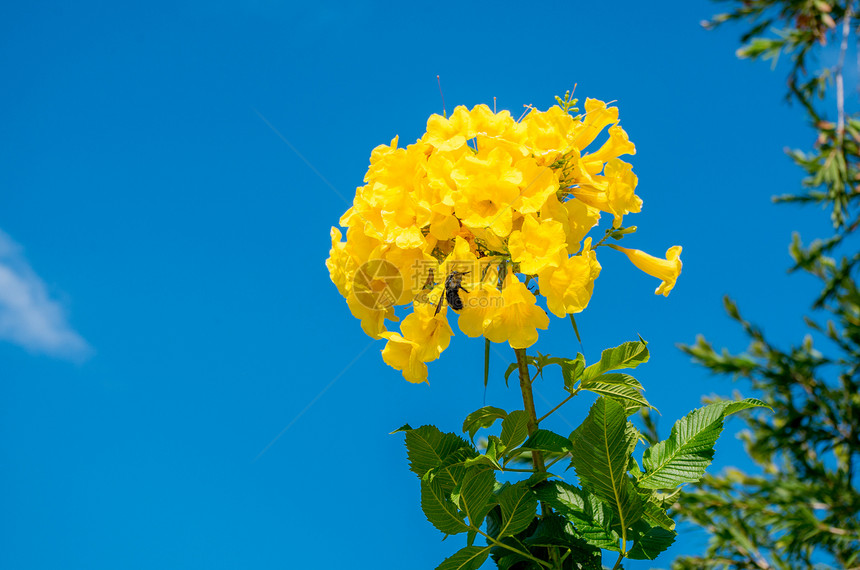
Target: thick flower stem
(529, 406)
(529, 403)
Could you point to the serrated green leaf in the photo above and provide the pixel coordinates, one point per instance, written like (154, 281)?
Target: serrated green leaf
(600, 455)
(627, 396)
(654, 541)
(745, 404)
(440, 510)
(555, 530)
(518, 506)
(571, 371)
(689, 450)
(545, 440)
(429, 449)
(476, 493)
(618, 378)
(592, 518)
(481, 460)
(468, 558)
(627, 355)
(515, 429)
(653, 512)
(494, 449)
(404, 427)
(482, 418)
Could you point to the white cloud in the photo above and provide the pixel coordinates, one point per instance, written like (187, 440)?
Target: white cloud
(28, 316)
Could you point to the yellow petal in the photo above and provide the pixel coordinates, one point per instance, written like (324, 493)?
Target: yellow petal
(538, 245)
(667, 270)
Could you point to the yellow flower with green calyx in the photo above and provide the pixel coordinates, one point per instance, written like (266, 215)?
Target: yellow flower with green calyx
(667, 270)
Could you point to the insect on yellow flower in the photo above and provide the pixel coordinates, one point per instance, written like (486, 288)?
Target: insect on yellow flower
(478, 206)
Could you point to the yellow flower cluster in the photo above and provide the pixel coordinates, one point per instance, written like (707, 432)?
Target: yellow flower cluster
(479, 199)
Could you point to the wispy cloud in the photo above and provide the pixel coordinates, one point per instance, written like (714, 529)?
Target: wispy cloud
(28, 316)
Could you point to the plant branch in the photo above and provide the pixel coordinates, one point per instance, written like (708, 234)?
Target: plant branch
(512, 549)
(563, 402)
(529, 403)
(840, 88)
(529, 406)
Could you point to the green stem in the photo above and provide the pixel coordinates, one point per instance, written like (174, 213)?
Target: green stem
(557, 459)
(618, 562)
(529, 403)
(512, 549)
(563, 402)
(529, 406)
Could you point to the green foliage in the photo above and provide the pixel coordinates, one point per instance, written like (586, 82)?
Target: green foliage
(802, 507)
(540, 521)
(689, 450)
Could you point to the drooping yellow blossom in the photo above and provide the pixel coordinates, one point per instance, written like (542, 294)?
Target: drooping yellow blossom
(439, 226)
(482, 302)
(517, 320)
(538, 245)
(568, 288)
(667, 270)
(613, 192)
(402, 354)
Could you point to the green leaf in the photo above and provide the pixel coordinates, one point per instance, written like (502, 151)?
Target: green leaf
(515, 429)
(469, 558)
(475, 495)
(627, 355)
(592, 518)
(571, 371)
(404, 427)
(653, 511)
(689, 450)
(482, 418)
(651, 543)
(601, 453)
(483, 460)
(510, 369)
(555, 530)
(440, 510)
(429, 449)
(518, 506)
(618, 378)
(627, 396)
(455, 460)
(545, 440)
(486, 364)
(575, 329)
(494, 449)
(512, 559)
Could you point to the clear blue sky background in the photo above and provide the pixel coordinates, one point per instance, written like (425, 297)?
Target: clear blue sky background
(165, 311)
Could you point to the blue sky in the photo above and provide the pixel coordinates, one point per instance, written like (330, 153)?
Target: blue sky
(170, 173)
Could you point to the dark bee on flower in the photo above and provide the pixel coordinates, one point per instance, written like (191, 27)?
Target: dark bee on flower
(452, 288)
